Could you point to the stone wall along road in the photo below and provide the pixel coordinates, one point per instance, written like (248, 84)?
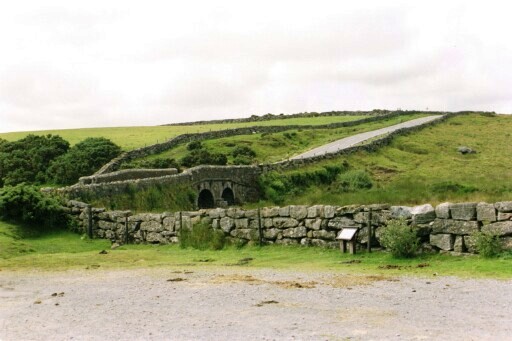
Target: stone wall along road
(350, 141)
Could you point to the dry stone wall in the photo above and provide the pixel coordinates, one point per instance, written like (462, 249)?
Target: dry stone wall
(114, 164)
(447, 227)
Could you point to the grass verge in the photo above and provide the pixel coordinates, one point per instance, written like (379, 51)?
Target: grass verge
(62, 251)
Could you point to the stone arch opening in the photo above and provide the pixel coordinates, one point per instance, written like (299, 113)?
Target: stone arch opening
(205, 199)
(228, 196)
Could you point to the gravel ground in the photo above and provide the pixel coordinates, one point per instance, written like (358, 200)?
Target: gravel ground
(247, 304)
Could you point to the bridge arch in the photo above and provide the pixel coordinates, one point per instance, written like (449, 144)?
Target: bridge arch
(228, 196)
(206, 199)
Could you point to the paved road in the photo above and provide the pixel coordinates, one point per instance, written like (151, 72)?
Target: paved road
(347, 142)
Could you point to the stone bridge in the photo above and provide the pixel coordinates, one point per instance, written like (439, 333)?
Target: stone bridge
(214, 186)
(223, 186)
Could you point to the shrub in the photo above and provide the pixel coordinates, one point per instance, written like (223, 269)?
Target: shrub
(82, 159)
(243, 151)
(401, 240)
(194, 145)
(26, 204)
(354, 180)
(27, 160)
(487, 244)
(203, 157)
(202, 237)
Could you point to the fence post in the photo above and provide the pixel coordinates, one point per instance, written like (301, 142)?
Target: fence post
(260, 232)
(89, 225)
(369, 246)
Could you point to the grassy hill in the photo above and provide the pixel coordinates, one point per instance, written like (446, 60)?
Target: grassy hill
(134, 137)
(426, 167)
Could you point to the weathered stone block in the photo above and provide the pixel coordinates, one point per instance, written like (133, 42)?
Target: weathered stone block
(442, 241)
(284, 211)
(503, 206)
(470, 244)
(227, 224)
(501, 228)
(305, 242)
(243, 234)
(106, 225)
(287, 241)
(151, 226)
(323, 234)
(458, 227)
(297, 232)
(216, 223)
(443, 210)
(362, 218)
(154, 237)
(506, 243)
(254, 224)
(298, 212)
(401, 212)
(251, 214)
(268, 222)
(458, 244)
(349, 209)
(329, 211)
(340, 222)
(485, 212)
(283, 223)
(168, 223)
(146, 217)
(242, 223)
(217, 213)
(235, 213)
(504, 216)
(313, 224)
(271, 233)
(315, 211)
(270, 212)
(318, 242)
(423, 214)
(463, 211)
(377, 207)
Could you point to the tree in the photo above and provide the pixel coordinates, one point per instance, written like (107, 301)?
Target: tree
(82, 159)
(26, 160)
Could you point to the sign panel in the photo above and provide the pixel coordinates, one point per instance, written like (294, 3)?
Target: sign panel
(347, 233)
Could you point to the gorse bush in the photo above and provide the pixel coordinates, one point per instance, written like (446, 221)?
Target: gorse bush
(26, 204)
(157, 163)
(203, 157)
(28, 159)
(487, 244)
(354, 180)
(203, 237)
(401, 240)
(82, 159)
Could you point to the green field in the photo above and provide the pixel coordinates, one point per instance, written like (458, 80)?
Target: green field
(61, 251)
(280, 146)
(425, 166)
(134, 137)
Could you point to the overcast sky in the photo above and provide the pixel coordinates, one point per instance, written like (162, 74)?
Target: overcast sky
(71, 64)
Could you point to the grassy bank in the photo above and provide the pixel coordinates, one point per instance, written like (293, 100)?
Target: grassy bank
(64, 250)
(280, 146)
(426, 167)
(134, 137)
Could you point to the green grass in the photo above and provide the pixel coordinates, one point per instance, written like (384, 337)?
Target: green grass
(425, 166)
(64, 250)
(134, 137)
(280, 146)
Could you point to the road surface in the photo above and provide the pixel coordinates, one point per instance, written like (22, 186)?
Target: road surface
(350, 141)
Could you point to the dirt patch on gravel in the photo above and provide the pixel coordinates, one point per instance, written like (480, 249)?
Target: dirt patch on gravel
(248, 304)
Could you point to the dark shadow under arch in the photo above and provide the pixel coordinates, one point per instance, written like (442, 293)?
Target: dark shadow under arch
(205, 199)
(228, 196)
